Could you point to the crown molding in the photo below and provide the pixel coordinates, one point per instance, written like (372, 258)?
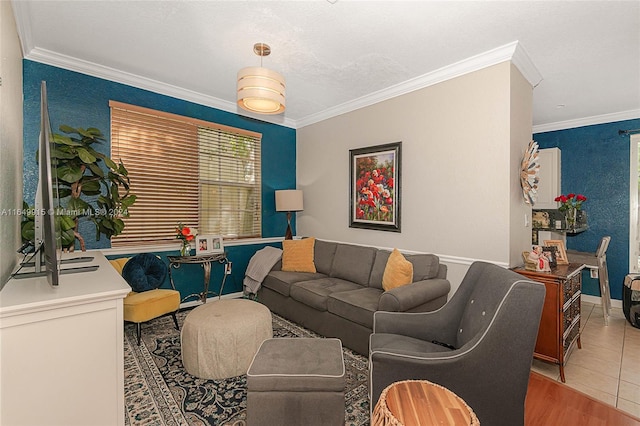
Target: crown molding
(21, 14)
(587, 121)
(509, 52)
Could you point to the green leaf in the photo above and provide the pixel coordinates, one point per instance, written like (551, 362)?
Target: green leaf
(85, 156)
(115, 192)
(67, 222)
(91, 187)
(66, 140)
(28, 231)
(118, 226)
(62, 153)
(69, 173)
(67, 238)
(96, 170)
(128, 201)
(63, 192)
(67, 129)
(109, 162)
(78, 207)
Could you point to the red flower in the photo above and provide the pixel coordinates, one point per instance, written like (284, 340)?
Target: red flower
(186, 231)
(571, 195)
(359, 213)
(581, 197)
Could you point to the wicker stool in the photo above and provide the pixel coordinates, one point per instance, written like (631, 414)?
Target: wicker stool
(220, 338)
(421, 403)
(296, 381)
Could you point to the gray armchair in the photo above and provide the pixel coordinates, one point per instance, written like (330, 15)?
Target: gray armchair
(479, 344)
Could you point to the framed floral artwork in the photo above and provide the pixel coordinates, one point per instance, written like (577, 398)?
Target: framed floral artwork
(375, 177)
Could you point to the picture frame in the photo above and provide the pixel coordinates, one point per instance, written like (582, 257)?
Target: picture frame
(208, 244)
(552, 254)
(375, 187)
(561, 251)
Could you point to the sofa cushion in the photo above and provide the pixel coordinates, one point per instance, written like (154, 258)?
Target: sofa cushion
(398, 272)
(355, 305)
(379, 264)
(280, 281)
(297, 255)
(323, 256)
(425, 267)
(353, 263)
(314, 293)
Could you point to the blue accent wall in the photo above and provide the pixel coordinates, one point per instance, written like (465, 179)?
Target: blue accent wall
(595, 163)
(79, 100)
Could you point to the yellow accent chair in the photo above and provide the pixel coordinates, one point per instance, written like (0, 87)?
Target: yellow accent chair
(140, 307)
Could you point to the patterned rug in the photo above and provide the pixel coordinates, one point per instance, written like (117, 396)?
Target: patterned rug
(158, 390)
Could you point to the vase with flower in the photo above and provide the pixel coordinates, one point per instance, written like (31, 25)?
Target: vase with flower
(185, 234)
(570, 204)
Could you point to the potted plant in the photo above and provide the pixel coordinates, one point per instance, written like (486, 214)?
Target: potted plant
(86, 190)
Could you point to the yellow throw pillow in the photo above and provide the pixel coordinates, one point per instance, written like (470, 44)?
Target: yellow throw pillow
(297, 255)
(398, 272)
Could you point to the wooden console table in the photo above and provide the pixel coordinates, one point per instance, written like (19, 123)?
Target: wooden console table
(421, 403)
(560, 322)
(205, 261)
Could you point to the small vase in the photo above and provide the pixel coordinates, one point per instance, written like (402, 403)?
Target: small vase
(185, 250)
(571, 216)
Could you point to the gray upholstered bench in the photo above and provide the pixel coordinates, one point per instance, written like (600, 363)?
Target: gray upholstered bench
(296, 381)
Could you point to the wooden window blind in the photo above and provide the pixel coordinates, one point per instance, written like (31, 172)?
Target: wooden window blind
(202, 174)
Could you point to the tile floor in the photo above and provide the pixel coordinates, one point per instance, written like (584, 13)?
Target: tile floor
(608, 365)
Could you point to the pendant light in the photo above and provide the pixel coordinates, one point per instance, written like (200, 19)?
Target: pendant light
(261, 90)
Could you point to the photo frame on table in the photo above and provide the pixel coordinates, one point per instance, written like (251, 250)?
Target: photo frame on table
(561, 251)
(375, 187)
(552, 254)
(208, 244)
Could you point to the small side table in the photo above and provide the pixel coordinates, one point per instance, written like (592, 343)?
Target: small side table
(421, 403)
(205, 261)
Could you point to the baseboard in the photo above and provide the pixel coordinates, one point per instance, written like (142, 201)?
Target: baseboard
(597, 300)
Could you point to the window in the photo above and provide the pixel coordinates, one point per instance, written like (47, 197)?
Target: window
(202, 174)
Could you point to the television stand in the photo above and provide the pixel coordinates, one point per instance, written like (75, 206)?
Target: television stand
(64, 261)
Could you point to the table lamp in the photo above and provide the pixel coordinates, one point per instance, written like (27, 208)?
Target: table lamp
(289, 200)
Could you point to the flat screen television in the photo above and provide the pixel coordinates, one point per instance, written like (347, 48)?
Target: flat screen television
(48, 246)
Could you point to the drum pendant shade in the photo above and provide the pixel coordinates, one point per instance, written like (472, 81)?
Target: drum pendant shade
(261, 90)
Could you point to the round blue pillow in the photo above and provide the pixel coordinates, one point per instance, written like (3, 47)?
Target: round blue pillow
(144, 272)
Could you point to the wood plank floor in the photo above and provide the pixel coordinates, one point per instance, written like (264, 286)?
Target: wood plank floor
(551, 403)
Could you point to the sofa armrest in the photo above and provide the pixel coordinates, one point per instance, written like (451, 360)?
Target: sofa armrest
(407, 297)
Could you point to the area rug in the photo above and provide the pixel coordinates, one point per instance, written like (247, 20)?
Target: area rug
(158, 390)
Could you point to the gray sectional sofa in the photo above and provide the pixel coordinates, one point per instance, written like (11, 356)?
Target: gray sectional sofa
(340, 298)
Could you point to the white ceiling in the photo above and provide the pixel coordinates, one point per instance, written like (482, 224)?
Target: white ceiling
(340, 55)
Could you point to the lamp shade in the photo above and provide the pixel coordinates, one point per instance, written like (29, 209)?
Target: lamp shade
(261, 90)
(289, 200)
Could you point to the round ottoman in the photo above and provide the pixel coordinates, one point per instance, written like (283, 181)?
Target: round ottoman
(219, 339)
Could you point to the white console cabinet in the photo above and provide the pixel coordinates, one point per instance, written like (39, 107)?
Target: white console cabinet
(61, 349)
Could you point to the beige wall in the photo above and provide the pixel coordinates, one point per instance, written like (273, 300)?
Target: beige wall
(521, 134)
(462, 141)
(10, 139)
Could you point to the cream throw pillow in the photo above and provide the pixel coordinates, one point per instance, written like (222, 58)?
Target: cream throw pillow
(398, 272)
(297, 255)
